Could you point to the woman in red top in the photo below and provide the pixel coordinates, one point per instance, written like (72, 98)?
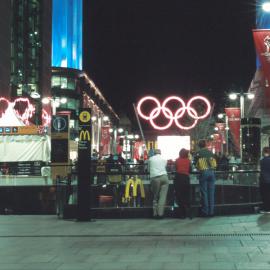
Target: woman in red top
(181, 183)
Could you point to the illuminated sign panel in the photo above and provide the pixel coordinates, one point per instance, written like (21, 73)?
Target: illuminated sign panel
(19, 112)
(162, 109)
(67, 34)
(171, 145)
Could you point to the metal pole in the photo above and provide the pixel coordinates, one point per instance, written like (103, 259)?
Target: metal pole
(242, 105)
(227, 134)
(242, 112)
(138, 120)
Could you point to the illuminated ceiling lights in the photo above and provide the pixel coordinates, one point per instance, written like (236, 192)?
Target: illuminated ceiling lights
(177, 115)
(34, 94)
(266, 6)
(106, 118)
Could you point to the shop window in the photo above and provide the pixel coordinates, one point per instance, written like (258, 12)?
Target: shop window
(71, 104)
(71, 84)
(63, 83)
(55, 81)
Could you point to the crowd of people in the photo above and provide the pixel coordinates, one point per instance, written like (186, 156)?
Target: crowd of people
(205, 163)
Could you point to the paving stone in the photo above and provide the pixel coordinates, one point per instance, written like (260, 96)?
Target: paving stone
(217, 266)
(253, 266)
(29, 266)
(31, 242)
(199, 258)
(232, 257)
(181, 266)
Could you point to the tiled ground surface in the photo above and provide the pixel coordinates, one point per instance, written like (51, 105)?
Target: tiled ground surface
(220, 243)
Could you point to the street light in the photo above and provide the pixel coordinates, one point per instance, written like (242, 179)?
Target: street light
(55, 102)
(233, 96)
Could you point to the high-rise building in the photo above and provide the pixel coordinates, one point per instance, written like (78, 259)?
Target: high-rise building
(41, 57)
(30, 28)
(5, 31)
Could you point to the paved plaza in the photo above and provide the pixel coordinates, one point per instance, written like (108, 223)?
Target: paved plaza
(220, 243)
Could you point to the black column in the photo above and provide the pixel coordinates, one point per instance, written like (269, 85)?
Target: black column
(251, 139)
(84, 165)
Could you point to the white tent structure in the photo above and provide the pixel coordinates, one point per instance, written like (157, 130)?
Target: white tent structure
(14, 148)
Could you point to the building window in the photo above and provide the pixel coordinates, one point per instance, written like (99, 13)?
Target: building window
(56, 81)
(63, 82)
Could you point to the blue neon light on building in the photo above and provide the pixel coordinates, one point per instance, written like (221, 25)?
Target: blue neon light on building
(67, 34)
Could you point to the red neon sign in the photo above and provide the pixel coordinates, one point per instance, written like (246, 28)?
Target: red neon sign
(23, 109)
(177, 115)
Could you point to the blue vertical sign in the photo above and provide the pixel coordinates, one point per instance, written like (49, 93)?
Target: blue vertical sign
(67, 33)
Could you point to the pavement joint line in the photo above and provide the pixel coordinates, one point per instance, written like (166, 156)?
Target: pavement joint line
(230, 235)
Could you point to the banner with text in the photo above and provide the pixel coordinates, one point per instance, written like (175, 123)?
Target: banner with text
(105, 141)
(262, 44)
(234, 121)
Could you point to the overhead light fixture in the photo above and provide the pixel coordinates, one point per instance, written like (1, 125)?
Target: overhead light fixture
(220, 115)
(266, 6)
(120, 130)
(105, 118)
(94, 118)
(233, 96)
(45, 100)
(34, 94)
(250, 95)
(63, 100)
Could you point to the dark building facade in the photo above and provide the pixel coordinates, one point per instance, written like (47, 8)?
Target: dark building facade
(25, 51)
(5, 32)
(30, 47)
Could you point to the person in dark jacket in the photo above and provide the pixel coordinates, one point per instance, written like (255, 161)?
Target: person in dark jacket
(265, 180)
(182, 183)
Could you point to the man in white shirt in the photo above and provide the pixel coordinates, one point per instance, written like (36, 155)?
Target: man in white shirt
(159, 183)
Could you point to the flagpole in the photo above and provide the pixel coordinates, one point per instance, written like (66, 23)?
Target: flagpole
(139, 123)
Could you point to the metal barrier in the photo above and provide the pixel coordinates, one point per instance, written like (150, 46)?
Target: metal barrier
(232, 186)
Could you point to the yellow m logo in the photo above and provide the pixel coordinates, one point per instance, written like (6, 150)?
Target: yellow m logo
(84, 135)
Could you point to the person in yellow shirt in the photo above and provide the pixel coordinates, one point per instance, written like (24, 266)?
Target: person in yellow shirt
(206, 165)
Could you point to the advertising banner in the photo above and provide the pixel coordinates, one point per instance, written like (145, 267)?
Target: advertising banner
(222, 131)
(262, 44)
(105, 141)
(217, 143)
(234, 122)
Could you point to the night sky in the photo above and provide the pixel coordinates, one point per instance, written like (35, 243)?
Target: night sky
(137, 47)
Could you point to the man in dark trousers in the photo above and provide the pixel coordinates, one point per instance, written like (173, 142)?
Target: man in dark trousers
(265, 180)
(206, 164)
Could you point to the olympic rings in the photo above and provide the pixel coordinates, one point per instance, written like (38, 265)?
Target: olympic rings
(180, 112)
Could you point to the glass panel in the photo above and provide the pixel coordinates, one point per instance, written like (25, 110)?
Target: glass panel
(55, 81)
(63, 83)
(71, 84)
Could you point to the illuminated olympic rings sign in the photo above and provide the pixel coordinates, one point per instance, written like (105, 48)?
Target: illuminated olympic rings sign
(177, 115)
